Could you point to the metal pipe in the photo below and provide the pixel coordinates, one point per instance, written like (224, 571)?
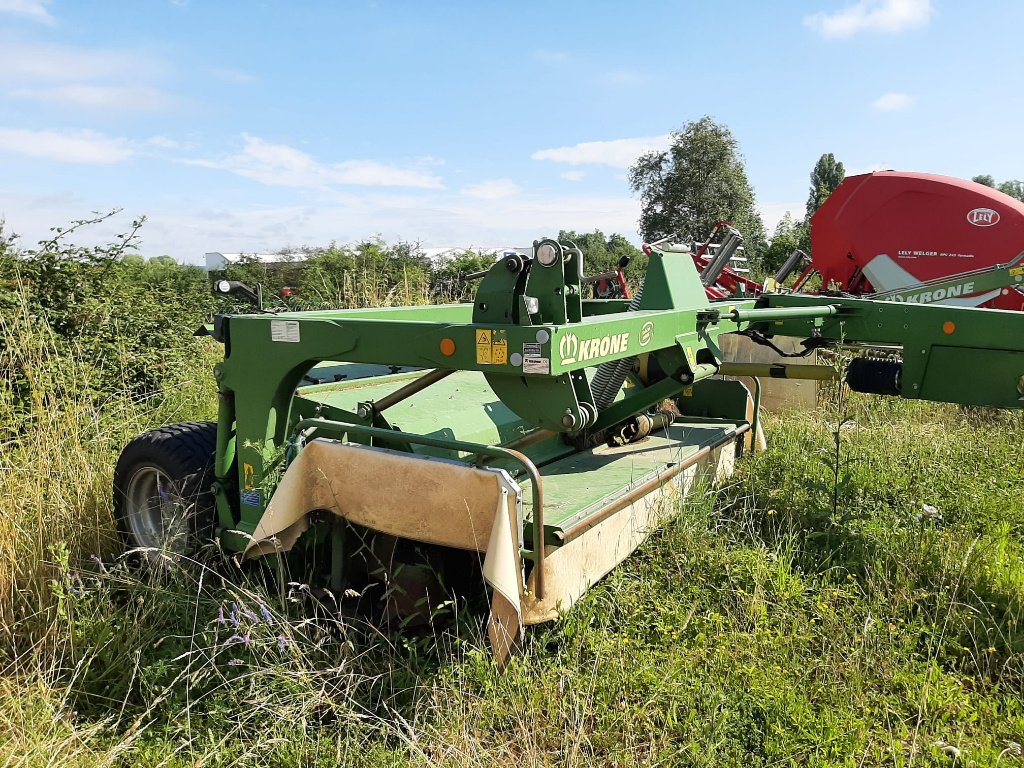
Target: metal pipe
(530, 438)
(781, 371)
(790, 265)
(780, 313)
(410, 389)
(475, 449)
(646, 488)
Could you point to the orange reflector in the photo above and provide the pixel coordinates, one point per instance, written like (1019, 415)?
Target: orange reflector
(948, 327)
(447, 347)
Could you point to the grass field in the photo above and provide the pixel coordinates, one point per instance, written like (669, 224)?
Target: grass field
(810, 612)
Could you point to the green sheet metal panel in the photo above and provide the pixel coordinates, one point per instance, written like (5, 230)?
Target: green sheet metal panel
(584, 483)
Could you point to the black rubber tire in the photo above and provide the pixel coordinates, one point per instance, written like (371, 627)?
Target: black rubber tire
(184, 455)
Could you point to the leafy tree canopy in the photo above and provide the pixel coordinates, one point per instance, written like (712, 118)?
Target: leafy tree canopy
(601, 253)
(828, 174)
(698, 180)
(788, 236)
(1013, 187)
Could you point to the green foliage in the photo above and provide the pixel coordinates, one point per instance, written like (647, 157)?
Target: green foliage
(698, 180)
(1013, 187)
(450, 277)
(853, 596)
(125, 316)
(371, 273)
(785, 619)
(787, 238)
(828, 173)
(602, 253)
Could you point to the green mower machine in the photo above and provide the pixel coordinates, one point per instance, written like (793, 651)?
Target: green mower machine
(534, 435)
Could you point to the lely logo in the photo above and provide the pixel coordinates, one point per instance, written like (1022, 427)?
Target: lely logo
(646, 334)
(983, 217)
(568, 347)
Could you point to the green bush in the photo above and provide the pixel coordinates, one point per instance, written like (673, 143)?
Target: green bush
(129, 320)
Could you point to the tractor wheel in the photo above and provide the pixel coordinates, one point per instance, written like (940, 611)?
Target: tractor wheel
(162, 497)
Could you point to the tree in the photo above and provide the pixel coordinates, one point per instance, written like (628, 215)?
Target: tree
(698, 180)
(828, 174)
(1013, 187)
(600, 253)
(787, 238)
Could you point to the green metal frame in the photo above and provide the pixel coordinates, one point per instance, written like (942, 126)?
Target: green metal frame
(532, 335)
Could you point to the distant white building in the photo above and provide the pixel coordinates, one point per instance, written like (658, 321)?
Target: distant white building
(437, 254)
(215, 260)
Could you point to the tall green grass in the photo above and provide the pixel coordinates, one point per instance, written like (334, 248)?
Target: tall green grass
(865, 611)
(771, 623)
(58, 445)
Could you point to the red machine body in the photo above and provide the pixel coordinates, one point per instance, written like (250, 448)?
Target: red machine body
(888, 230)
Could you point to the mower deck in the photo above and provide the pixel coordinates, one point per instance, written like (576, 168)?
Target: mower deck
(583, 485)
(577, 483)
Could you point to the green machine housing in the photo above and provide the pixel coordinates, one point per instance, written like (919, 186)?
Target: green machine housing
(534, 428)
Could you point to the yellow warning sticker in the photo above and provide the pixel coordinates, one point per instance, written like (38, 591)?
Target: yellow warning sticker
(491, 347)
(248, 476)
(483, 347)
(499, 352)
(1017, 271)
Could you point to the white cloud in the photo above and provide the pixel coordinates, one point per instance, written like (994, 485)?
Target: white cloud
(28, 9)
(163, 142)
(121, 98)
(550, 57)
(893, 102)
(231, 75)
(887, 16)
(60, 63)
(66, 147)
(435, 219)
(283, 165)
(573, 175)
(494, 189)
(618, 153)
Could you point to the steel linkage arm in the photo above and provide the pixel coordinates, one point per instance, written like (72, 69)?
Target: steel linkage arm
(949, 353)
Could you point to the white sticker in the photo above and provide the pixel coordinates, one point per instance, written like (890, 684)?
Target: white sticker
(284, 330)
(531, 350)
(537, 365)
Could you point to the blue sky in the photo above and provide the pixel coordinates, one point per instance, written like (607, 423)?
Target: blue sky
(257, 126)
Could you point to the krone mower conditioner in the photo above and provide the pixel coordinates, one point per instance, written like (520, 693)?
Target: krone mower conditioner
(536, 432)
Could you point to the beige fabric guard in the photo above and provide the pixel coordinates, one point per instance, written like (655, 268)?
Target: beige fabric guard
(429, 500)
